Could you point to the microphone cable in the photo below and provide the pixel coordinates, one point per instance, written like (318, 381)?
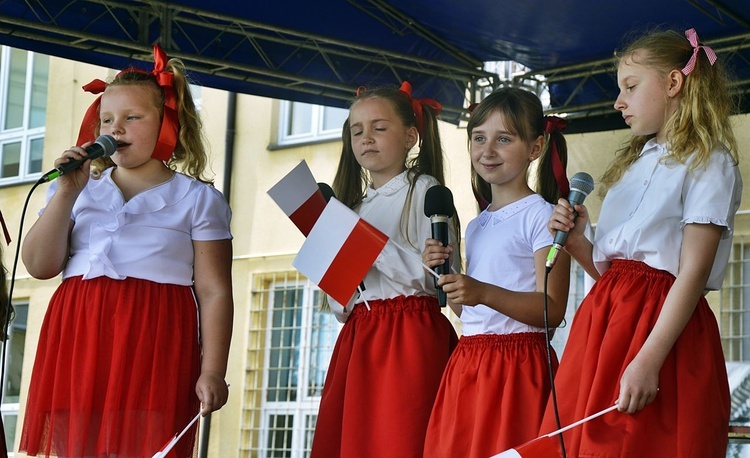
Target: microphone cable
(549, 361)
(8, 306)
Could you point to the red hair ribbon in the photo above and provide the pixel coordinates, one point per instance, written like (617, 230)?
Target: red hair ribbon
(418, 104)
(170, 124)
(557, 124)
(692, 37)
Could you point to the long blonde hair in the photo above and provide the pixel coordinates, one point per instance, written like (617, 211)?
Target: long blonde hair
(701, 122)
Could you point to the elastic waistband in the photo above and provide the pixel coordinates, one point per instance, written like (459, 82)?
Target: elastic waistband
(490, 340)
(629, 266)
(398, 304)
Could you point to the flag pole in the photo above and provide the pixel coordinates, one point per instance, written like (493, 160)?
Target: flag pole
(419, 259)
(584, 420)
(163, 452)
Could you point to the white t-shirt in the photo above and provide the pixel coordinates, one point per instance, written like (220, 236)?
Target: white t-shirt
(150, 236)
(500, 249)
(643, 215)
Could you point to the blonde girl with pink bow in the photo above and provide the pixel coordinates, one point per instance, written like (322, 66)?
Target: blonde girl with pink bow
(644, 337)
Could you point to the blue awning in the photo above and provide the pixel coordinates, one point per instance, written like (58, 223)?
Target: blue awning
(321, 51)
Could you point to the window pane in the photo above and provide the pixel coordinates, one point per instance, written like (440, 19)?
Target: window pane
(300, 118)
(11, 160)
(285, 341)
(310, 422)
(36, 150)
(325, 330)
(280, 429)
(39, 91)
(333, 118)
(16, 89)
(9, 423)
(14, 355)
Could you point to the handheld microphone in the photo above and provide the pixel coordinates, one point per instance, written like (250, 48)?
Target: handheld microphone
(581, 185)
(438, 206)
(105, 146)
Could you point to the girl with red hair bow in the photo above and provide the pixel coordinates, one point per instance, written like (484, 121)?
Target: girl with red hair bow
(495, 387)
(136, 337)
(391, 352)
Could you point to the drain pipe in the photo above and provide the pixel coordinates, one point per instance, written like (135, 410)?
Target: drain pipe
(228, 162)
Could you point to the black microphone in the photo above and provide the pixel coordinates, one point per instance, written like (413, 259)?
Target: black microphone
(105, 146)
(438, 206)
(327, 194)
(581, 186)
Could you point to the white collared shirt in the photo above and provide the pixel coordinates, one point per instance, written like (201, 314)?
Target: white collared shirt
(643, 215)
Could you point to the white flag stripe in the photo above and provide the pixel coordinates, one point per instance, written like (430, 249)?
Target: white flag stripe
(325, 240)
(294, 189)
(512, 453)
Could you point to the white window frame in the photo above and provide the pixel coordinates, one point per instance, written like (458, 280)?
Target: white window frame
(305, 405)
(13, 408)
(313, 134)
(23, 134)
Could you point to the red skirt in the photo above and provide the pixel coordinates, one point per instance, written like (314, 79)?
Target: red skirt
(382, 380)
(492, 396)
(115, 371)
(690, 415)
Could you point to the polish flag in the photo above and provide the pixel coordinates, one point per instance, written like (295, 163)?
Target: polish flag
(299, 197)
(548, 445)
(339, 250)
(541, 447)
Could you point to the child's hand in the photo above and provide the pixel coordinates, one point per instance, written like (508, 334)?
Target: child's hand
(74, 181)
(564, 219)
(462, 289)
(638, 386)
(212, 391)
(435, 253)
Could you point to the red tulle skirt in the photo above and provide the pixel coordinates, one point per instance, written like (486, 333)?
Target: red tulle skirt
(115, 371)
(689, 417)
(492, 396)
(384, 374)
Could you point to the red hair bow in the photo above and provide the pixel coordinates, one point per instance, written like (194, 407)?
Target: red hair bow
(557, 124)
(170, 124)
(418, 104)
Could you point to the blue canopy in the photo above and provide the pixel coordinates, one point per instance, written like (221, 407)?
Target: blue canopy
(321, 51)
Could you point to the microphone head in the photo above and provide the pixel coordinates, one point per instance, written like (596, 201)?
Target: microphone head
(326, 190)
(438, 201)
(582, 182)
(109, 144)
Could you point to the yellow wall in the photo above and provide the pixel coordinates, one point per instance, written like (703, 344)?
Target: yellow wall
(265, 240)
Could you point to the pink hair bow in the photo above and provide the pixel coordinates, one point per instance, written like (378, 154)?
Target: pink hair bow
(692, 37)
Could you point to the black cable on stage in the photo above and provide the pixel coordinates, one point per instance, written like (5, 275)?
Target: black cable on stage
(549, 363)
(8, 306)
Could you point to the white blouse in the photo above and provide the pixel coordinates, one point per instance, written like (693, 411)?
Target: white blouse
(500, 247)
(643, 215)
(150, 236)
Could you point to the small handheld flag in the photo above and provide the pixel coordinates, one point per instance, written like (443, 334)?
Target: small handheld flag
(169, 445)
(299, 197)
(339, 250)
(546, 446)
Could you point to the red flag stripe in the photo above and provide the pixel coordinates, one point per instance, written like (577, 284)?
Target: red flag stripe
(353, 260)
(307, 214)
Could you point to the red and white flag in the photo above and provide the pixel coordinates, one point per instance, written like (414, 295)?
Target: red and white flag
(541, 447)
(299, 197)
(339, 250)
(548, 445)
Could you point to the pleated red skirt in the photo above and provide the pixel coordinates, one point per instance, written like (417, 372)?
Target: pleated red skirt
(492, 396)
(689, 417)
(382, 380)
(115, 371)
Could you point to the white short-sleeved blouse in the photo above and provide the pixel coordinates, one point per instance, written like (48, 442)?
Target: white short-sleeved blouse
(643, 215)
(500, 249)
(150, 236)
